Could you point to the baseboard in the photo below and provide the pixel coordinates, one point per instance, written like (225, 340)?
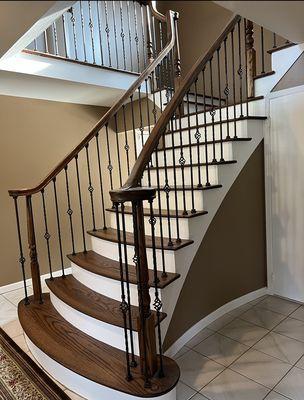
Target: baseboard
(203, 323)
(19, 285)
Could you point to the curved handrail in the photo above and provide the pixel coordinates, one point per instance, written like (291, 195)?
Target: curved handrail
(153, 139)
(169, 18)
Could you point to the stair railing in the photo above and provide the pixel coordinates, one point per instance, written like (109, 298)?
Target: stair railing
(121, 35)
(74, 196)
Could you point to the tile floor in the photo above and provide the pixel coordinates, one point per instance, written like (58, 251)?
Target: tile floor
(255, 352)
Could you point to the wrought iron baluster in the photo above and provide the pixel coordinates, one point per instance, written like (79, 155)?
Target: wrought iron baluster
(58, 226)
(144, 43)
(212, 111)
(126, 146)
(240, 70)
(205, 129)
(21, 253)
(73, 20)
(80, 205)
(133, 126)
(46, 42)
(115, 33)
(64, 36)
(90, 187)
(197, 136)
(122, 35)
(35, 44)
(107, 30)
(110, 166)
(69, 208)
(47, 235)
(91, 25)
(55, 38)
(233, 82)
(118, 150)
(226, 90)
(101, 181)
(246, 67)
(219, 77)
(193, 210)
(129, 35)
(99, 31)
(182, 159)
(136, 38)
(83, 31)
(124, 306)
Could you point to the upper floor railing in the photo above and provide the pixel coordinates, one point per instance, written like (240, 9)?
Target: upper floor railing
(123, 35)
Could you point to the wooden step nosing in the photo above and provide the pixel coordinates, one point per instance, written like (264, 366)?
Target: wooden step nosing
(163, 214)
(195, 165)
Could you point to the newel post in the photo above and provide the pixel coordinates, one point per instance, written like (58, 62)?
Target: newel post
(35, 270)
(251, 58)
(177, 56)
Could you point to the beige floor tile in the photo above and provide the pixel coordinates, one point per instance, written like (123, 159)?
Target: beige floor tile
(74, 396)
(282, 347)
(203, 334)
(279, 305)
(199, 396)
(300, 363)
(240, 310)
(230, 385)
(221, 349)
(20, 341)
(262, 317)
(15, 296)
(292, 385)
(244, 332)
(184, 392)
(261, 368)
(258, 300)
(298, 314)
(8, 312)
(275, 396)
(197, 370)
(220, 322)
(292, 328)
(13, 328)
(181, 352)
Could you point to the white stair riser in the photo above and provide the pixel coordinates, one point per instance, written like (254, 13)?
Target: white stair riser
(106, 286)
(110, 250)
(239, 128)
(107, 333)
(83, 386)
(198, 197)
(212, 173)
(256, 108)
(183, 226)
(227, 154)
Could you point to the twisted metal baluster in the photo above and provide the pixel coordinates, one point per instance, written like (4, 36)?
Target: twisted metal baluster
(47, 235)
(21, 253)
(69, 210)
(58, 226)
(90, 187)
(91, 25)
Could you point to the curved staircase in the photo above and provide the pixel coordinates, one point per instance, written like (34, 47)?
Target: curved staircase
(101, 328)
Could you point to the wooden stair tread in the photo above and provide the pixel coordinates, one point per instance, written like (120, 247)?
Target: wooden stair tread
(188, 187)
(209, 142)
(83, 299)
(282, 47)
(86, 356)
(109, 268)
(263, 75)
(223, 122)
(110, 234)
(163, 213)
(194, 165)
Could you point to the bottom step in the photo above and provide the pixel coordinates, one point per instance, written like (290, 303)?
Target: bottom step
(54, 340)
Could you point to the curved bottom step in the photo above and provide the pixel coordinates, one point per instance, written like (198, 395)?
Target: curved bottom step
(87, 366)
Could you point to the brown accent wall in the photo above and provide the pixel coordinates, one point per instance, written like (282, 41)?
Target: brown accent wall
(231, 260)
(34, 136)
(293, 77)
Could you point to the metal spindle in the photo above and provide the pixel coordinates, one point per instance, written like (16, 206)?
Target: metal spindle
(133, 126)
(73, 20)
(100, 181)
(83, 31)
(227, 90)
(55, 38)
(64, 36)
(110, 166)
(246, 68)
(46, 43)
(124, 306)
(80, 205)
(197, 136)
(21, 253)
(47, 235)
(262, 51)
(136, 38)
(220, 105)
(129, 35)
(122, 35)
(58, 226)
(115, 33)
(205, 129)
(193, 210)
(181, 159)
(118, 150)
(233, 82)
(240, 70)
(91, 26)
(126, 146)
(90, 187)
(212, 111)
(144, 43)
(99, 32)
(69, 209)
(107, 30)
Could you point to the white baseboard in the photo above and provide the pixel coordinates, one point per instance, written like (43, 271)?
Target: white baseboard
(19, 285)
(203, 323)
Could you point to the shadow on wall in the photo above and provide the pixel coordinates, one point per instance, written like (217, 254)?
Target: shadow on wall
(231, 260)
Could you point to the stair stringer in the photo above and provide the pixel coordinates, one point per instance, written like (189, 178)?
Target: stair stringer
(199, 226)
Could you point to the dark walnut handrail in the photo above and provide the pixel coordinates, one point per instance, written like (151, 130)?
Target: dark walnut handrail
(153, 139)
(169, 19)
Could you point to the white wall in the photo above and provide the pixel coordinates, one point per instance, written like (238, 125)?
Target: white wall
(285, 183)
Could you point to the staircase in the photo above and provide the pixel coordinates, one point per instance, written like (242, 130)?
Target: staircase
(129, 206)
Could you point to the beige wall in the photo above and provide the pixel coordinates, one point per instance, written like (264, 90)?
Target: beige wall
(231, 260)
(293, 77)
(35, 136)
